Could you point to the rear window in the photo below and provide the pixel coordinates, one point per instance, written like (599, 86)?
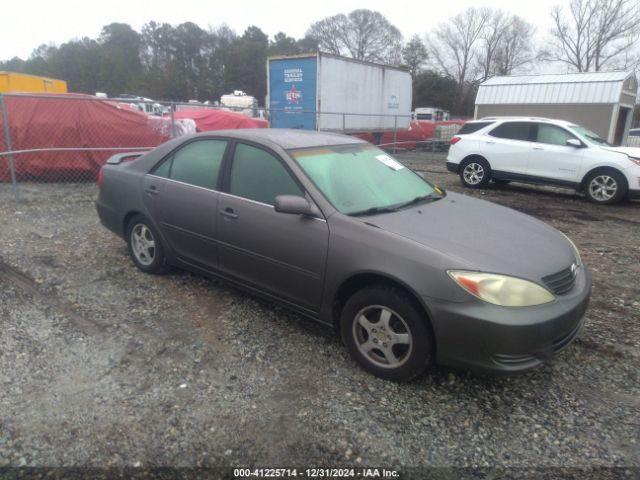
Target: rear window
(514, 131)
(472, 127)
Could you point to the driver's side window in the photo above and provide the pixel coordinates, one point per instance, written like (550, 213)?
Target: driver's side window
(258, 175)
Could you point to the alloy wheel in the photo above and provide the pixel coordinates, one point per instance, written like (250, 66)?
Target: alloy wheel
(143, 244)
(473, 173)
(603, 188)
(382, 336)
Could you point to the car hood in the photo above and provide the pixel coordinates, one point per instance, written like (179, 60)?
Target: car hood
(482, 236)
(630, 151)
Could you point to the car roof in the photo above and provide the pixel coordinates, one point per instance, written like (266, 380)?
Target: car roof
(288, 138)
(525, 119)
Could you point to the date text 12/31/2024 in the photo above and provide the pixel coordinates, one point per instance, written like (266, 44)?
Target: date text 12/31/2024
(241, 473)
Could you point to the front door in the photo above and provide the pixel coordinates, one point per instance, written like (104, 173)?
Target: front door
(187, 202)
(551, 157)
(279, 253)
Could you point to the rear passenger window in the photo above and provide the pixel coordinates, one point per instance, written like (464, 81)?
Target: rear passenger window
(197, 163)
(472, 127)
(552, 134)
(259, 176)
(513, 131)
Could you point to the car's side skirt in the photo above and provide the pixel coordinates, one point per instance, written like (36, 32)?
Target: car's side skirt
(313, 315)
(519, 177)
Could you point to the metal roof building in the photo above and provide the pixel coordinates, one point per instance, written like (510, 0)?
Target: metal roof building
(601, 101)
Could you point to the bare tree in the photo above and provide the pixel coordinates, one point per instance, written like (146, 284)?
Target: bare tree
(363, 34)
(595, 34)
(516, 47)
(329, 33)
(454, 48)
(414, 54)
(491, 39)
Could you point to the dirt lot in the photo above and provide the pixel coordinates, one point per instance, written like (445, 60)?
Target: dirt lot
(101, 365)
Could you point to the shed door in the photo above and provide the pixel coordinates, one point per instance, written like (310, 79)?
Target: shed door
(621, 125)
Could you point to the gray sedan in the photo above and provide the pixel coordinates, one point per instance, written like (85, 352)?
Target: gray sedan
(338, 230)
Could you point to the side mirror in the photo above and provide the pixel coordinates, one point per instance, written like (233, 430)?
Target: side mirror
(574, 142)
(293, 204)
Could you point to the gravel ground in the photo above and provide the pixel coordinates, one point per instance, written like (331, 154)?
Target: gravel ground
(104, 366)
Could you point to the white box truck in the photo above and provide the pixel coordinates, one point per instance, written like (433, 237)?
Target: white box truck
(331, 93)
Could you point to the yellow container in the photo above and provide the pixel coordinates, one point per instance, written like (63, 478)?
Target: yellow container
(11, 82)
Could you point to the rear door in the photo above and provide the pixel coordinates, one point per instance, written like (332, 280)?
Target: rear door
(551, 157)
(507, 147)
(280, 253)
(186, 200)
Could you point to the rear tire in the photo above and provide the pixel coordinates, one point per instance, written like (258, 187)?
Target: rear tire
(475, 172)
(145, 247)
(386, 333)
(605, 187)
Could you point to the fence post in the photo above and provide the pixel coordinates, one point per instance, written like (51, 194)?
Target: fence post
(173, 120)
(343, 122)
(7, 136)
(395, 132)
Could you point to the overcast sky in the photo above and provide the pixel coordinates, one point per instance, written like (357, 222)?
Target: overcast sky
(28, 24)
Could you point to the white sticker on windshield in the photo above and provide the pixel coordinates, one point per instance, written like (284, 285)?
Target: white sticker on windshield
(389, 162)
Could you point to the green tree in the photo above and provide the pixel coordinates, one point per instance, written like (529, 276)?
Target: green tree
(120, 57)
(282, 44)
(414, 54)
(245, 63)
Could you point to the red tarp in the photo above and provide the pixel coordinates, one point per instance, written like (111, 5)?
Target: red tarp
(419, 131)
(207, 119)
(71, 121)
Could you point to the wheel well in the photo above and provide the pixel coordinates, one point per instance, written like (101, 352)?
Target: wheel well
(360, 281)
(473, 156)
(583, 183)
(127, 219)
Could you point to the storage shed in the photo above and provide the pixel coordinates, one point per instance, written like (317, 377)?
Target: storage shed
(602, 102)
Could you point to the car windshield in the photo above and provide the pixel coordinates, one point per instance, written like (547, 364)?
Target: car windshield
(362, 179)
(589, 135)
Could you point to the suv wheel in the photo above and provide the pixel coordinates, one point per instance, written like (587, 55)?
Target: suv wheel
(605, 187)
(144, 246)
(475, 173)
(386, 334)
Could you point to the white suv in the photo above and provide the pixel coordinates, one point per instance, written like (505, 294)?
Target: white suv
(544, 151)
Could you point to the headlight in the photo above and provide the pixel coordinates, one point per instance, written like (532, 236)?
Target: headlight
(501, 289)
(634, 159)
(575, 250)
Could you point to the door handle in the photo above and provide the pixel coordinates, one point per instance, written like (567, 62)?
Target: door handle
(538, 148)
(152, 190)
(229, 213)
(491, 142)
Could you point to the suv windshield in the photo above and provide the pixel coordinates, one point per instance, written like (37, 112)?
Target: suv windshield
(362, 179)
(589, 135)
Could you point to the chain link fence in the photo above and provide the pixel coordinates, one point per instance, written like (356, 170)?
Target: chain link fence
(67, 138)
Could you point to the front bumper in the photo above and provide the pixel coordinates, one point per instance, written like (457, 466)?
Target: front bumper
(478, 336)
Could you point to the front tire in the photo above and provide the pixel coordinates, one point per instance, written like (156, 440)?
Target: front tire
(605, 187)
(475, 173)
(386, 333)
(145, 247)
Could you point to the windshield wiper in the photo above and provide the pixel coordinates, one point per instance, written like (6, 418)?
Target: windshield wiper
(431, 197)
(372, 211)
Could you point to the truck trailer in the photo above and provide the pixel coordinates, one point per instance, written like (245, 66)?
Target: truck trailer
(327, 92)
(12, 82)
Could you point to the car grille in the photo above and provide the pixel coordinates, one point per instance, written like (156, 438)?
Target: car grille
(562, 281)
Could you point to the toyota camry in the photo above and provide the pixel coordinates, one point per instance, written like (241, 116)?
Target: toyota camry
(339, 231)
